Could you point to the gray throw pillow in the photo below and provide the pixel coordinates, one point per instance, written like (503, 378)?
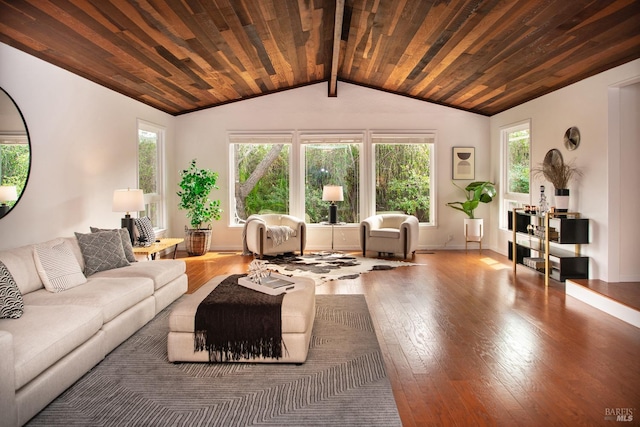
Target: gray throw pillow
(101, 251)
(126, 241)
(11, 303)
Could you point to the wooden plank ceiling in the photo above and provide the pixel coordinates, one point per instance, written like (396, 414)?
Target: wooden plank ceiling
(185, 55)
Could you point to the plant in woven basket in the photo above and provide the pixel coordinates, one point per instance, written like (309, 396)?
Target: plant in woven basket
(195, 186)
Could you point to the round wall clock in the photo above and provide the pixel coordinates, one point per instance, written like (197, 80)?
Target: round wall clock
(572, 138)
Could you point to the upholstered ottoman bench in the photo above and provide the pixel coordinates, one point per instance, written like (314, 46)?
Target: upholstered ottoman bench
(298, 313)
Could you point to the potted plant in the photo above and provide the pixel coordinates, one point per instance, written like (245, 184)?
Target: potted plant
(475, 193)
(195, 186)
(559, 174)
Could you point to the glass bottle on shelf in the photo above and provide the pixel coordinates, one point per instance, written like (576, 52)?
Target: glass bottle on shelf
(543, 207)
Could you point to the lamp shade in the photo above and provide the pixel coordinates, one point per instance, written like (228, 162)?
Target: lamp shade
(128, 200)
(8, 193)
(332, 193)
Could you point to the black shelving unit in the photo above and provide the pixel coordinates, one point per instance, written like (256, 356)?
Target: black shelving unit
(537, 243)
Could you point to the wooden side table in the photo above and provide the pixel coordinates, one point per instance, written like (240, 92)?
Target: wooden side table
(154, 248)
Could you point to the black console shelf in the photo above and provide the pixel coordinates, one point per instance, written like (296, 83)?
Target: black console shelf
(537, 242)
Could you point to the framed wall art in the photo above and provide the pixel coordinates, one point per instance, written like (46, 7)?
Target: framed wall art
(464, 159)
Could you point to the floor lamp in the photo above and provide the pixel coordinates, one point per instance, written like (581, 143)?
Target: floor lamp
(332, 193)
(128, 201)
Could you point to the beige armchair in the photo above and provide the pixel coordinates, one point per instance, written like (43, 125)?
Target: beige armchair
(272, 234)
(390, 233)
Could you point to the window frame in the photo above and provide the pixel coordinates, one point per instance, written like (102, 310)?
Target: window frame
(159, 196)
(510, 199)
(366, 168)
(260, 138)
(306, 139)
(429, 135)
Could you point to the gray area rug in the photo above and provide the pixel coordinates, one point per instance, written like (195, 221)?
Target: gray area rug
(325, 266)
(342, 383)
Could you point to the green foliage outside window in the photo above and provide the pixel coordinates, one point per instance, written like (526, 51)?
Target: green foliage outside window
(14, 166)
(147, 164)
(262, 179)
(518, 161)
(332, 164)
(403, 179)
(148, 171)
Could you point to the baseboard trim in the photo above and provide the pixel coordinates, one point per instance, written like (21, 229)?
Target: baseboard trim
(603, 303)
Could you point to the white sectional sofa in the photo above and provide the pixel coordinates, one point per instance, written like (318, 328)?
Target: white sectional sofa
(61, 335)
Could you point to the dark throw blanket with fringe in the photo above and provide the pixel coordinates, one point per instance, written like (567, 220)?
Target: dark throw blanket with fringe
(235, 322)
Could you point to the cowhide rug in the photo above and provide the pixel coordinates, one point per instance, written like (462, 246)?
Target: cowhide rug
(323, 267)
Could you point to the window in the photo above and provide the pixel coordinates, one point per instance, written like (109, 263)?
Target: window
(517, 145)
(261, 174)
(150, 167)
(286, 173)
(516, 166)
(14, 162)
(331, 160)
(403, 171)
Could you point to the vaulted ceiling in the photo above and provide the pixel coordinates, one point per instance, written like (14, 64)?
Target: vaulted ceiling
(185, 55)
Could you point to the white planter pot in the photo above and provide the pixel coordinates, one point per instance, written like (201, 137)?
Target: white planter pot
(473, 229)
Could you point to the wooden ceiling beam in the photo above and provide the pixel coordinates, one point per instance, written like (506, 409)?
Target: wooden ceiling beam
(335, 57)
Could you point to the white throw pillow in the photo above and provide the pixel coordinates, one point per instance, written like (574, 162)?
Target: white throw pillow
(57, 266)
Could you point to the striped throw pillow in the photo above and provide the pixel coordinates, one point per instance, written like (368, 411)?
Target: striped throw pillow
(58, 268)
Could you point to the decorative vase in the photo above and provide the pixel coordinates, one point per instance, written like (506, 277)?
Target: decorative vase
(562, 199)
(197, 241)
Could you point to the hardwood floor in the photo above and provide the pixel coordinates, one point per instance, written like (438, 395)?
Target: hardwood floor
(466, 344)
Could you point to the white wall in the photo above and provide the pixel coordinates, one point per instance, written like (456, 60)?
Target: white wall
(83, 144)
(203, 135)
(627, 212)
(585, 104)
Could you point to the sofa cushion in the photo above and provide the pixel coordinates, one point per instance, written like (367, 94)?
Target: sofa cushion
(160, 271)
(388, 233)
(11, 304)
(57, 266)
(45, 334)
(126, 241)
(19, 261)
(112, 296)
(101, 251)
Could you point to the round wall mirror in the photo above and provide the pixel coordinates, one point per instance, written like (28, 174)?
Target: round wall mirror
(15, 153)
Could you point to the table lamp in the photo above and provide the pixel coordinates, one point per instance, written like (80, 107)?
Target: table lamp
(128, 201)
(8, 193)
(332, 193)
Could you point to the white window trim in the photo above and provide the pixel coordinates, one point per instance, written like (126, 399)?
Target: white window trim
(266, 137)
(367, 167)
(371, 202)
(507, 196)
(161, 131)
(361, 136)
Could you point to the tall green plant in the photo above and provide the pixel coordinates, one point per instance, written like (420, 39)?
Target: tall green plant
(196, 185)
(477, 192)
